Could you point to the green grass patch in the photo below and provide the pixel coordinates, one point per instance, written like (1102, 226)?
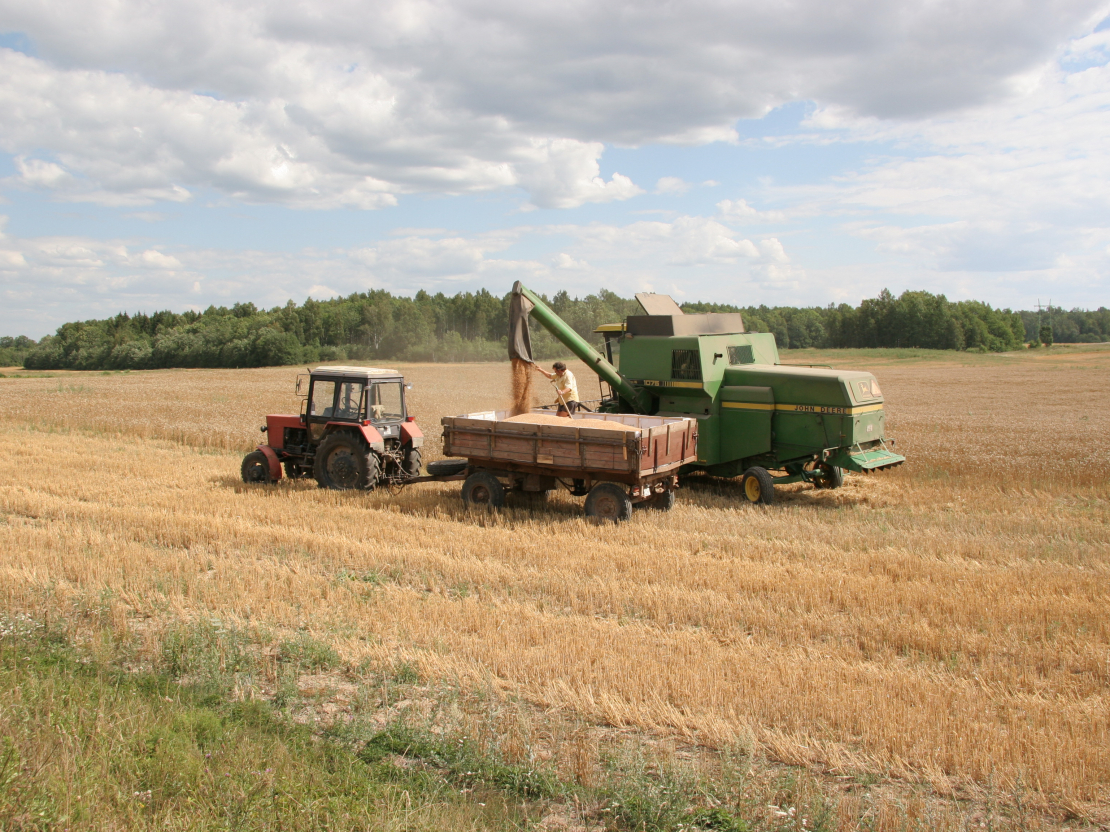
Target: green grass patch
(84, 746)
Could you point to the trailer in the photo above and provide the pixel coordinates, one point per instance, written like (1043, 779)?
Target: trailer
(616, 461)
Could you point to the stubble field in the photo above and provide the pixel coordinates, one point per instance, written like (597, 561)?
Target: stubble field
(942, 629)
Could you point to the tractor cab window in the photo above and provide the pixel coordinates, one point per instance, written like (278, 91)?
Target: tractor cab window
(323, 398)
(386, 401)
(347, 405)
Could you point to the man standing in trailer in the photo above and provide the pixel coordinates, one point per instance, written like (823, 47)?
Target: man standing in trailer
(566, 388)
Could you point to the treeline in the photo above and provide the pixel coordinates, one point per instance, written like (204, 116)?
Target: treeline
(375, 325)
(14, 350)
(918, 319)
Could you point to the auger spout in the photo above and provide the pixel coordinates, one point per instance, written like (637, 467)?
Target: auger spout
(638, 400)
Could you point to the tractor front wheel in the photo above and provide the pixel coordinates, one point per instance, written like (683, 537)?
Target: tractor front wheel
(758, 486)
(825, 475)
(344, 462)
(484, 490)
(608, 501)
(256, 468)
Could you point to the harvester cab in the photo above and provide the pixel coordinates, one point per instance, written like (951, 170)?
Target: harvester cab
(756, 415)
(353, 431)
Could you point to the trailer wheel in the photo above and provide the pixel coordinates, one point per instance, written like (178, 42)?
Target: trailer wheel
(344, 462)
(411, 465)
(758, 486)
(446, 467)
(660, 502)
(608, 501)
(483, 489)
(827, 476)
(256, 468)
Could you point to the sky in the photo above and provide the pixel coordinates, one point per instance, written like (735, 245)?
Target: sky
(158, 155)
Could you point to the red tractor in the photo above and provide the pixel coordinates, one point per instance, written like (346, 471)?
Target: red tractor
(353, 432)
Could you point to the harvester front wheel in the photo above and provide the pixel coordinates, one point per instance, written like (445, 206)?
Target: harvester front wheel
(758, 486)
(484, 490)
(344, 462)
(256, 468)
(826, 476)
(608, 501)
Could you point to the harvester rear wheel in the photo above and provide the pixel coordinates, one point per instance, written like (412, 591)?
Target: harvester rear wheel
(827, 476)
(256, 468)
(758, 486)
(483, 489)
(344, 462)
(608, 501)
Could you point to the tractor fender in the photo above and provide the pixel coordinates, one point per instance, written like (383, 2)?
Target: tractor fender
(275, 463)
(411, 433)
(369, 433)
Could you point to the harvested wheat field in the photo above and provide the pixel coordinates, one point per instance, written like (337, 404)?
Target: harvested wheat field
(940, 632)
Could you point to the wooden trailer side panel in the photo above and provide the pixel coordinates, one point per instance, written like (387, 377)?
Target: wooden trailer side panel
(658, 445)
(669, 446)
(560, 447)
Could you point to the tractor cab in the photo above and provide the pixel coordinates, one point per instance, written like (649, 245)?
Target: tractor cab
(357, 395)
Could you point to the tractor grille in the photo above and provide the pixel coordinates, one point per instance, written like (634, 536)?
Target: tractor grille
(686, 364)
(741, 355)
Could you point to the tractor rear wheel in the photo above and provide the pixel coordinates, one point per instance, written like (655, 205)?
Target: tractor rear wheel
(412, 464)
(484, 490)
(256, 468)
(826, 476)
(758, 486)
(344, 462)
(608, 501)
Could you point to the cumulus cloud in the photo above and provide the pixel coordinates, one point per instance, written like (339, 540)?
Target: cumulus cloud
(565, 261)
(739, 211)
(1013, 186)
(672, 185)
(349, 104)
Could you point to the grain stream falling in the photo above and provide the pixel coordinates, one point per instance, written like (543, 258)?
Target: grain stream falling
(521, 374)
(946, 623)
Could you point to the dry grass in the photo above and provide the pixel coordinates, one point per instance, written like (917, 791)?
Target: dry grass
(944, 624)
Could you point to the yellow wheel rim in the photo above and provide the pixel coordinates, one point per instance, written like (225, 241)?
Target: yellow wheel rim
(751, 489)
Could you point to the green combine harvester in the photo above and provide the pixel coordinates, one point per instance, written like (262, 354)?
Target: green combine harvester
(755, 415)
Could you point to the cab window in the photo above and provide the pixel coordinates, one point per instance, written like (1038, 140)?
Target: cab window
(386, 401)
(347, 405)
(323, 398)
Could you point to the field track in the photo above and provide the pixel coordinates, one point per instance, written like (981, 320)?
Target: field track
(944, 624)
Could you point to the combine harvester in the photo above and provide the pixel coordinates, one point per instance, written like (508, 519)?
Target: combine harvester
(755, 416)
